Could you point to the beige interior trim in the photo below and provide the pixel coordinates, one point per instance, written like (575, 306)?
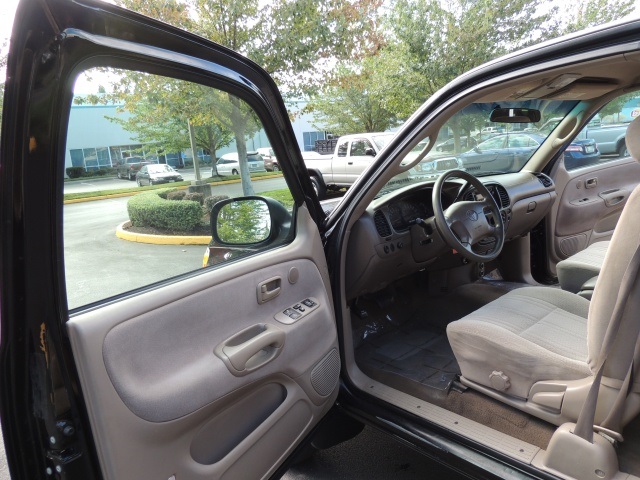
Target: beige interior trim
(249, 424)
(500, 442)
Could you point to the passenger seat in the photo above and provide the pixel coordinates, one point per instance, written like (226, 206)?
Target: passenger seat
(581, 267)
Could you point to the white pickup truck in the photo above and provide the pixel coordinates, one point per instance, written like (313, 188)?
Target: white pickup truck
(352, 155)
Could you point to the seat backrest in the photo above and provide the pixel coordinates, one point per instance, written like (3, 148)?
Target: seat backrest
(624, 243)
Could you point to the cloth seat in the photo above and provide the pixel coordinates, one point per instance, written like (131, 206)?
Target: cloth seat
(582, 266)
(546, 334)
(529, 334)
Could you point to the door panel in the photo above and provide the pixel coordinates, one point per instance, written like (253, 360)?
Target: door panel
(162, 403)
(357, 162)
(131, 368)
(590, 201)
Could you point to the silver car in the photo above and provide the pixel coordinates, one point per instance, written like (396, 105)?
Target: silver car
(228, 164)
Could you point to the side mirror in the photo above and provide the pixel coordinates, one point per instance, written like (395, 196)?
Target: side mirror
(249, 222)
(370, 152)
(476, 149)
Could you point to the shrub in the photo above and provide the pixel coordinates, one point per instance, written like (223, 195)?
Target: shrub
(75, 172)
(165, 191)
(148, 209)
(195, 197)
(176, 195)
(103, 172)
(209, 202)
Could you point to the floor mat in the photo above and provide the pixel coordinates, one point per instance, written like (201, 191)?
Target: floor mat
(419, 353)
(407, 349)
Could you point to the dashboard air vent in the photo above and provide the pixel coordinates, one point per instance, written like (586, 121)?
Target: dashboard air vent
(505, 201)
(382, 226)
(544, 180)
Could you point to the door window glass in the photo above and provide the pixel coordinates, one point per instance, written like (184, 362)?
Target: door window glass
(121, 236)
(359, 147)
(342, 149)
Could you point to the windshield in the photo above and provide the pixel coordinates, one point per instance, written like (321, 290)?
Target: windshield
(382, 140)
(470, 141)
(160, 168)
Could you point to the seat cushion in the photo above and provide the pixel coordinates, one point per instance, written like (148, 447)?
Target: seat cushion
(530, 334)
(584, 265)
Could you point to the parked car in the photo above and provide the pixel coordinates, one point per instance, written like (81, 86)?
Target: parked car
(270, 160)
(424, 306)
(228, 164)
(510, 151)
(129, 167)
(157, 173)
(611, 139)
(449, 145)
(581, 153)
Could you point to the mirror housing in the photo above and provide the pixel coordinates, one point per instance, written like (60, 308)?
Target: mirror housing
(370, 152)
(515, 115)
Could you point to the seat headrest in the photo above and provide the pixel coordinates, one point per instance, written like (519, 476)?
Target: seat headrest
(633, 139)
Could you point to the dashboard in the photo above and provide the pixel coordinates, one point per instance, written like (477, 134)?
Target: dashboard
(403, 213)
(397, 234)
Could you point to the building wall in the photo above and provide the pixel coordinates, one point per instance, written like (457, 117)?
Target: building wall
(103, 142)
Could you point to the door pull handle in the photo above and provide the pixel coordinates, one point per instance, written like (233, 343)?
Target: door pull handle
(251, 348)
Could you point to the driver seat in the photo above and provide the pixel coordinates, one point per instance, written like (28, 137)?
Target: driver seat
(537, 348)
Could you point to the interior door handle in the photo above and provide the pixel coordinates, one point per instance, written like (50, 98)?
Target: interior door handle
(591, 182)
(251, 348)
(269, 289)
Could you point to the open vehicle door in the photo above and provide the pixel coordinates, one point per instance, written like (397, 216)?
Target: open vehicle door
(154, 367)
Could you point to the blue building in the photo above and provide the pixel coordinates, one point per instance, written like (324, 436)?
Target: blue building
(94, 141)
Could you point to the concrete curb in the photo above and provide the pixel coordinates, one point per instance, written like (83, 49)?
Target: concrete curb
(131, 194)
(159, 239)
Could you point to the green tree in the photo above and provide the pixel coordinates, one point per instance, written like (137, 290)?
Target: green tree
(614, 107)
(289, 38)
(439, 41)
(351, 103)
(161, 109)
(590, 13)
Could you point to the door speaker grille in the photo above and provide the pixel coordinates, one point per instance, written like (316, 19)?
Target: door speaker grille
(324, 376)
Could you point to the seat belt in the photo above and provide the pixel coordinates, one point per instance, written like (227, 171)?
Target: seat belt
(585, 423)
(613, 423)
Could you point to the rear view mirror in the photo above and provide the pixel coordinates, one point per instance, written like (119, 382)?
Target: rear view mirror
(515, 115)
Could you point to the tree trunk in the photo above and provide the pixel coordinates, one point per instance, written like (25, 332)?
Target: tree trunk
(212, 151)
(194, 151)
(239, 125)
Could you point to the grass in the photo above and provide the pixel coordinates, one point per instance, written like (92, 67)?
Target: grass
(283, 196)
(135, 189)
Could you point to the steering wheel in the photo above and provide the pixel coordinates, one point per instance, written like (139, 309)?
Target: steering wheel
(467, 223)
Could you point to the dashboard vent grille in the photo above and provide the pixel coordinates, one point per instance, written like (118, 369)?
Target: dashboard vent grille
(382, 226)
(505, 201)
(544, 180)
